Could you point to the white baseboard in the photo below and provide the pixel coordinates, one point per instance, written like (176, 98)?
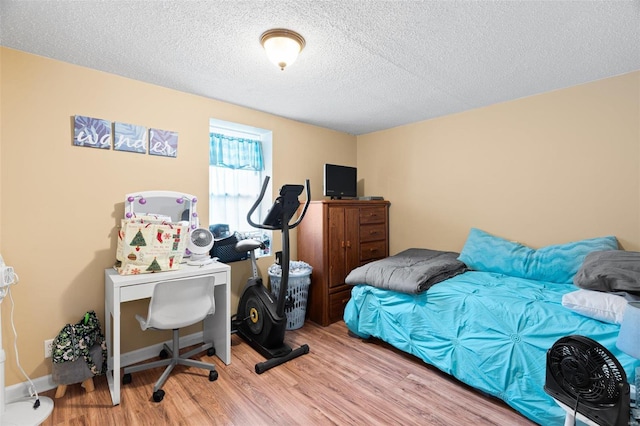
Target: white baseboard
(45, 383)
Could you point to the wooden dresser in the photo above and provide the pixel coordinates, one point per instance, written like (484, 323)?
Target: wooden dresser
(335, 237)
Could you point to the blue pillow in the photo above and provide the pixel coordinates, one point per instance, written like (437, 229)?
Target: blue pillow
(557, 263)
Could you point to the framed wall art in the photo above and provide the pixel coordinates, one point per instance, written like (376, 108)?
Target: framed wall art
(130, 138)
(163, 142)
(91, 132)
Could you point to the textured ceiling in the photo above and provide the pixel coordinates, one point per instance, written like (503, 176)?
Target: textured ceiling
(367, 65)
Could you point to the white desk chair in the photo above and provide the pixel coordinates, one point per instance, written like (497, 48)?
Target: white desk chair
(176, 304)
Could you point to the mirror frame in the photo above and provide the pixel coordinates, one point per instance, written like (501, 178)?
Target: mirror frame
(167, 203)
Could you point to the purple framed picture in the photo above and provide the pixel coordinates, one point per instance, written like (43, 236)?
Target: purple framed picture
(130, 138)
(163, 142)
(92, 132)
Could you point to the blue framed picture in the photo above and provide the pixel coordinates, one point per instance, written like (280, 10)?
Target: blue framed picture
(163, 142)
(130, 138)
(91, 132)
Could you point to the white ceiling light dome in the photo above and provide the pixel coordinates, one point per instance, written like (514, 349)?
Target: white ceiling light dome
(282, 46)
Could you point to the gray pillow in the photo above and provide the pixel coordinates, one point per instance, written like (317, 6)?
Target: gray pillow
(611, 270)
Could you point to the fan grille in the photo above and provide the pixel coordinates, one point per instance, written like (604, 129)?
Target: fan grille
(586, 370)
(8, 276)
(201, 238)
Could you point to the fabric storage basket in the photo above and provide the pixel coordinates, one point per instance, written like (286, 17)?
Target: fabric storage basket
(297, 291)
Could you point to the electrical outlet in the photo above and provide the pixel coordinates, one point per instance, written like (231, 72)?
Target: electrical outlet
(48, 348)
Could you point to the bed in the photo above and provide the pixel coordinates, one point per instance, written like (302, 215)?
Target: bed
(491, 319)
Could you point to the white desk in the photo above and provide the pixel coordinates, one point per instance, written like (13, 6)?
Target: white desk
(124, 288)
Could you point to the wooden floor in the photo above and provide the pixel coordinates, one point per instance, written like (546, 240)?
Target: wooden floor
(342, 381)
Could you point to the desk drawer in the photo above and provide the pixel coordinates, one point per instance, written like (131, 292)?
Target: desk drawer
(135, 292)
(145, 290)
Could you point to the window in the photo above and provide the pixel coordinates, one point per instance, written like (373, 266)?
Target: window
(239, 160)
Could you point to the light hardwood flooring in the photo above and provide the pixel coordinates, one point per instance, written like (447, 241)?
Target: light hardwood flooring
(342, 381)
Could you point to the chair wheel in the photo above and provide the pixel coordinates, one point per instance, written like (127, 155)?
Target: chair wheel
(126, 379)
(158, 395)
(213, 376)
(164, 354)
(211, 351)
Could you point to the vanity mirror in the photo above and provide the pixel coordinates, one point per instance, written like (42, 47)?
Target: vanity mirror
(179, 206)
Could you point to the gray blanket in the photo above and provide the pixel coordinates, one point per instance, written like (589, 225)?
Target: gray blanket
(411, 271)
(611, 270)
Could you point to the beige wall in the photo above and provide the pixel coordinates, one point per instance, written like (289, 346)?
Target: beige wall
(542, 170)
(60, 204)
(546, 169)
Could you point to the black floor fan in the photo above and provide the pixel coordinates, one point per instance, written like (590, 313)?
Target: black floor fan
(586, 379)
(260, 319)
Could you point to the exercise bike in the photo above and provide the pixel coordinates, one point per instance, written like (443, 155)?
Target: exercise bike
(261, 321)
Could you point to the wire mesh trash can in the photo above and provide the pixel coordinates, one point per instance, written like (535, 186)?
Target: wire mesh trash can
(297, 290)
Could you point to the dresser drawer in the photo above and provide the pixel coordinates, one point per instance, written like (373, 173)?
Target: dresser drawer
(337, 302)
(373, 250)
(373, 232)
(372, 215)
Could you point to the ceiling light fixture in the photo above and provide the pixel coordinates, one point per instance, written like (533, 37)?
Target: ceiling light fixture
(282, 46)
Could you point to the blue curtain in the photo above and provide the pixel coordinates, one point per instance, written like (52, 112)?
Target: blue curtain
(235, 153)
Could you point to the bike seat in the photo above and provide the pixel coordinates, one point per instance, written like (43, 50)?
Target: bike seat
(249, 245)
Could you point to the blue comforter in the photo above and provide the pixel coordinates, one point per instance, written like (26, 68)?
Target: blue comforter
(488, 330)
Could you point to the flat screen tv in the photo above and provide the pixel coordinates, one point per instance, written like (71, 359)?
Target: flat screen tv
(340, 181)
